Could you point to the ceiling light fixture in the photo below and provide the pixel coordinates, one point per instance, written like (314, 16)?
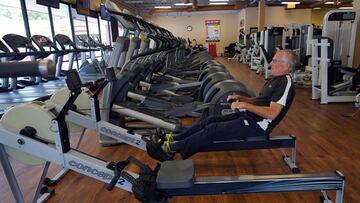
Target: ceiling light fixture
(317, 8)
(218, 3)
(162, 7)
(330, 3)
(183, 4)
(290, 2)
(346, 8)
(218, 0)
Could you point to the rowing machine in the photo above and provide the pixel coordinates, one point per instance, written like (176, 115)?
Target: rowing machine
(83, 118)
(49, 141)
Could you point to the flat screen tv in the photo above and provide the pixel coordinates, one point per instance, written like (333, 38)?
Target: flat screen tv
(83, 7)
(50, 3)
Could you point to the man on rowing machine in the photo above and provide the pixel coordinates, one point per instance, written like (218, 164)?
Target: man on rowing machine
(257, 118)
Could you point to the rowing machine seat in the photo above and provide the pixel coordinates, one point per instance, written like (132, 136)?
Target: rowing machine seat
(176, 174)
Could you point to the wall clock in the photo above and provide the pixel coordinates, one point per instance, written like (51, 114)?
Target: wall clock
(189, 28)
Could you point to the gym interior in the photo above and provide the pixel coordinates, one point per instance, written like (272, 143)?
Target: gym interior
(94, 96)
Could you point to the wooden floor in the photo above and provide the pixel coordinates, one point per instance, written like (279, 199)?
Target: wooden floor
(325, 141)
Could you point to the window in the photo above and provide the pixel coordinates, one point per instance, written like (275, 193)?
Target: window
(11, 18)
(61, 20)
(94, 32)
(38, 16)
(79, 27)
(105, 32)
(80, 36)
(93, 28)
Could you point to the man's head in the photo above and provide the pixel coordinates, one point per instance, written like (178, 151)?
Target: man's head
(283, 62)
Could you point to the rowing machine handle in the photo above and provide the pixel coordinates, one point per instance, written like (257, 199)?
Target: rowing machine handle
(118, 169)
(233, 100)
(113, 181)
(27, 68)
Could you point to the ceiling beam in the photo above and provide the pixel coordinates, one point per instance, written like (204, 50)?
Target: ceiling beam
(239, 4)
(305, 6)
(123, 5)
(199, 8)
(323, 5)
(316, 4)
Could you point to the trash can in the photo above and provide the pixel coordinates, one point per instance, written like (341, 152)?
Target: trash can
(212, 49)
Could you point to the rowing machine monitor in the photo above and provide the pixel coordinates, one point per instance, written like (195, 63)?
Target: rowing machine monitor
(73, 80)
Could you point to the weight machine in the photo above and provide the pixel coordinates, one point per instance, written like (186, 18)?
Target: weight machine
(332, 58)
(302, 75)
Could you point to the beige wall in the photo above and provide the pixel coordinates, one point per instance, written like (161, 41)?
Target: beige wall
(279, 16)
(251, 15)
(317, 16)
(230, 23)
(356, 4)
(229, 27)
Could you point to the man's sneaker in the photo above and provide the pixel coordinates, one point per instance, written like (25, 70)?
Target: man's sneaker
(158, 150)
(160, 134)
(169, 137)
(154, 138)
(167, 149)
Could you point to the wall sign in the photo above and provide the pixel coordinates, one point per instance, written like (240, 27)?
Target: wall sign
(212, 30)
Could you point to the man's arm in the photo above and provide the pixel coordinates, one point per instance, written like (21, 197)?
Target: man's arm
(269, 112)
(239, 98)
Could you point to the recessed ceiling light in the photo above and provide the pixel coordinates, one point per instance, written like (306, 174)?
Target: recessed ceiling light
(183, 4)
(217, 0)
(290, 2)
(347, 7)
(329, 2)
(317, 8)
(218, 3)
(162, 7)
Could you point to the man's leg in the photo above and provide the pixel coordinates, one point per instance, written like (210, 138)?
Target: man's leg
(217, 131)
(203, 123)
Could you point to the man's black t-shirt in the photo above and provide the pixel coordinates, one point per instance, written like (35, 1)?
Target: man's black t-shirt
(280, 90)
